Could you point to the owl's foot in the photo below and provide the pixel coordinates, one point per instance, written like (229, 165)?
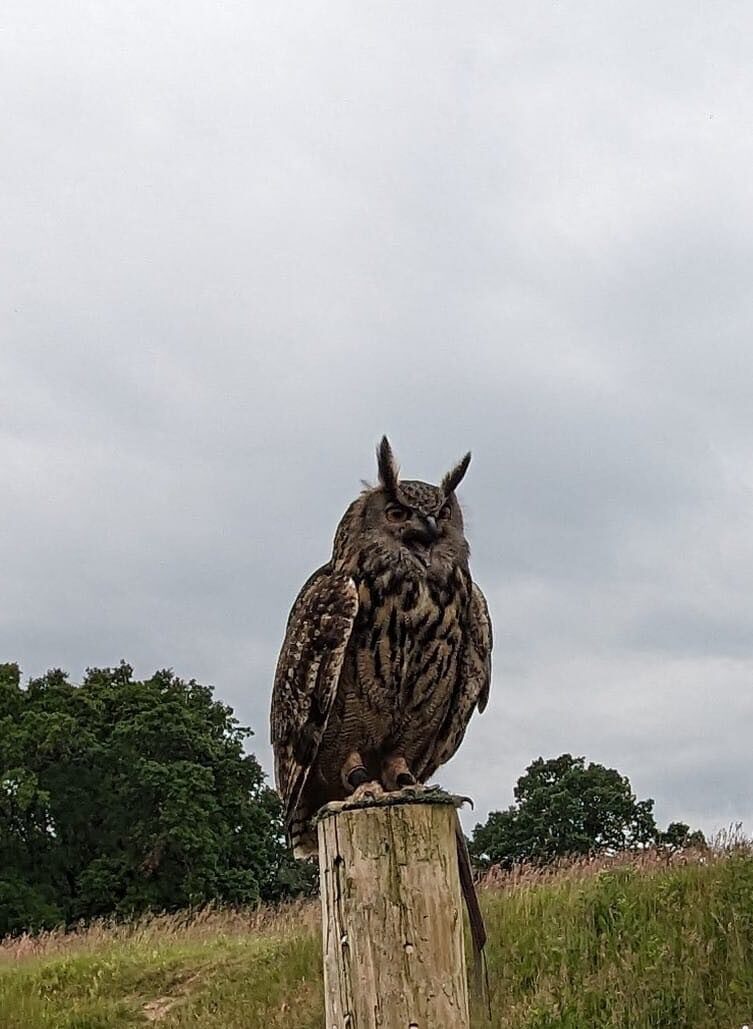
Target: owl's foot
(411, 789)
(367, 791)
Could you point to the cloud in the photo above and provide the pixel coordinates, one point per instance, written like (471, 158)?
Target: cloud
(239, 245)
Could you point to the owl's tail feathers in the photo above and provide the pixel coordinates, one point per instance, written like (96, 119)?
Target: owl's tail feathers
(480, 980)
(302, 836)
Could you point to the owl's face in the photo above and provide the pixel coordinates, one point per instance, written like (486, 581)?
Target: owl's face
(406, 520)
(418, 518)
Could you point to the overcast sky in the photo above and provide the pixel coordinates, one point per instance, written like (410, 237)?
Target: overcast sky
(240, 241)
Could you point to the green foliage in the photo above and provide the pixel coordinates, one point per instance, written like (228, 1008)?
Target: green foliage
(565, 808)
(118, 796)
(678, 836)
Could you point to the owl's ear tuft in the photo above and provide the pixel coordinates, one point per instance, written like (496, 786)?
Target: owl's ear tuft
(387, 465)
(454, 477)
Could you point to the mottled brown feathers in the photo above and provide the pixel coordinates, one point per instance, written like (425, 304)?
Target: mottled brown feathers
(308, 672)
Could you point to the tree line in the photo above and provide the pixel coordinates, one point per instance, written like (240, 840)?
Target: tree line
(119, 796)
(567, 808)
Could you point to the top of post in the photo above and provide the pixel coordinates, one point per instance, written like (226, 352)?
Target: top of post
(409, 795)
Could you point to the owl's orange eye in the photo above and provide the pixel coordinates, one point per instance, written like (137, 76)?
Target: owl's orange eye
(397, 514)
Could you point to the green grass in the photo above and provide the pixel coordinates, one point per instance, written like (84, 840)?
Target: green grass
(626, 948)
(218, 969)
(630, 945)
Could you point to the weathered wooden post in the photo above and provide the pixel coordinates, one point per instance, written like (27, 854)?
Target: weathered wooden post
(392, 915)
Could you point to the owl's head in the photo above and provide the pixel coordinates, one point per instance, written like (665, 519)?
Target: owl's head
(405, 518)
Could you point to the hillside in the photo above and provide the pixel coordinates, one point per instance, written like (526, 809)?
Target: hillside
(626, 944)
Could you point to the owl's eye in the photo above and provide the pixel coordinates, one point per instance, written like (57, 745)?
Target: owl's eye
(445, 512)
(395, 513)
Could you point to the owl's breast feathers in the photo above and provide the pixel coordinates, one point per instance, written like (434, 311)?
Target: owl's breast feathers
(387, 656)
(406, 641)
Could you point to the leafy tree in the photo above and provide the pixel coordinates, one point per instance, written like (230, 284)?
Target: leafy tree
(120, 795)
(678, 836)
(564, 807)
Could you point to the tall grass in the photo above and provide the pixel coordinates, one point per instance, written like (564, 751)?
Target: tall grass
(626, 942)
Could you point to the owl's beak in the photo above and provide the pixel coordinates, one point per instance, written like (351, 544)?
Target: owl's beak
(425, 533)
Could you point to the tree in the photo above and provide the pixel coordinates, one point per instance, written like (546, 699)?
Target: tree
(678, 836)
(118, 796)
(564, 807)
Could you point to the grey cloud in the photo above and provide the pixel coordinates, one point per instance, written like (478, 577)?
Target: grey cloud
(685, 631)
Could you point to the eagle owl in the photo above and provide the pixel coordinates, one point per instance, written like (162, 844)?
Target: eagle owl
(387, 651)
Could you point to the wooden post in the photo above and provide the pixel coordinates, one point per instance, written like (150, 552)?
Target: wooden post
(392, 916)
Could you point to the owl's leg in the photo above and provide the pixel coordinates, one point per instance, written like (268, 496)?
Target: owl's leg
(395, 772)
(353, 772)
(356, 779)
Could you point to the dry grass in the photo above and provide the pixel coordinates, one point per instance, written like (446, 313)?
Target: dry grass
(579, 869)
(185, 927)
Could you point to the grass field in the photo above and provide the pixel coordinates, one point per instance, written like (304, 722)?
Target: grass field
(628, 944)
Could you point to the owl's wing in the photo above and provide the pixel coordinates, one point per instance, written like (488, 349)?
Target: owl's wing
(308, 671)
(472, 690)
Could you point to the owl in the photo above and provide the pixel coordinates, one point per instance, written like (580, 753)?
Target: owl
(386, 655)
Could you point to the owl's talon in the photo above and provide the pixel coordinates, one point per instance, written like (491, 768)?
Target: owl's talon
(412, 789)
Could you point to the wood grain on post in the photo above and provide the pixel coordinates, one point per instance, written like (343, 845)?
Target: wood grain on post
(392, 917)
